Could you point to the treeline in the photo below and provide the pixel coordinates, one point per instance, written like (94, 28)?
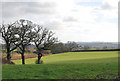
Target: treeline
(67, 47)
(96, 50)
(61, 47)
(72, 46)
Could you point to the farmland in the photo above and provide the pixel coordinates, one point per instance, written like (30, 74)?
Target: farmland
(70, 65)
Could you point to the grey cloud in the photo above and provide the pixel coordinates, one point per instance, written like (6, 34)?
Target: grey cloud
(70, 19)
(12, 9)
(105, 6)
(54, 25)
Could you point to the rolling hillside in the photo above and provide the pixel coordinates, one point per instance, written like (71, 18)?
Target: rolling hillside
(71, 65)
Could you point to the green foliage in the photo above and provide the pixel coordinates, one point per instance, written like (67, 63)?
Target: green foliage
(86, 47)
(46, 51)
(59, 48)
(72, 45)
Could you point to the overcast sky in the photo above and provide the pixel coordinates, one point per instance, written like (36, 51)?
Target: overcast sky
(71, 20)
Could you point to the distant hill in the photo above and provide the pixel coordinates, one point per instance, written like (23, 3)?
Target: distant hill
(100, 45)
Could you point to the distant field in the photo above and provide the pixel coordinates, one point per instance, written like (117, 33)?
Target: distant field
(71, 65)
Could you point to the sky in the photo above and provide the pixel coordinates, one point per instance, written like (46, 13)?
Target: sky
(71, 20)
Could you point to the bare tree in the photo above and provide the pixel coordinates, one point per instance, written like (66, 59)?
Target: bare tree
(43, 41)
(25, 35)
(86, 47)
(59, 48)
(72, 45)
(9, 35)
(104, 47)
(21, 33)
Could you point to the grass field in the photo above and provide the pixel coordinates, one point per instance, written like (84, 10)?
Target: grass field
(71, 65)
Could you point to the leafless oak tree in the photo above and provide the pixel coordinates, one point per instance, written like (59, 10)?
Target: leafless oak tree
(26, 35)
(9, 35)
(44, 40)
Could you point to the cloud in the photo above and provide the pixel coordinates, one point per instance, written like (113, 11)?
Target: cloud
(106, 6)
(39, 8)
(19, 9)
(53, 25)
(103, 31)
(108, 9)
(70, 19)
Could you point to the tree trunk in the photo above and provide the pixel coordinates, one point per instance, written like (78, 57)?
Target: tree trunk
(39, 57)
(8, 52)
(23, 58)
(8, 57)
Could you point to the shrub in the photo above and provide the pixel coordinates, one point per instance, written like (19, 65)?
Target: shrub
(41, 62)
(4, 61)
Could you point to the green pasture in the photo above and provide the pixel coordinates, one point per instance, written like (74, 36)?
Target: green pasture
(71, 65)
(74, 57)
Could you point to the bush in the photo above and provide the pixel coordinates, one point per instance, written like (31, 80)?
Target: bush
(41, 62)
(4, 61)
